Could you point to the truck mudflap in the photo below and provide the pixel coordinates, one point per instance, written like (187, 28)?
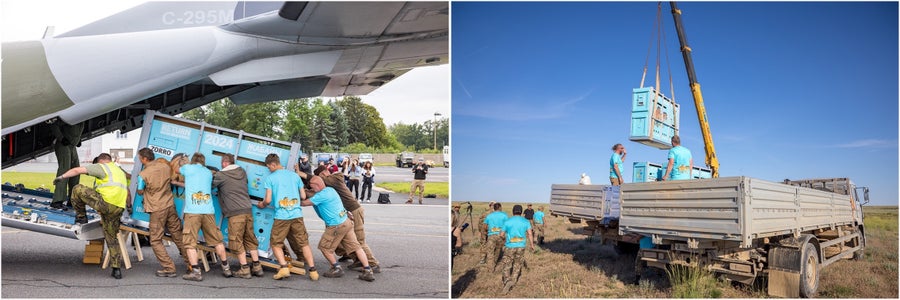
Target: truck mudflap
(784, 271)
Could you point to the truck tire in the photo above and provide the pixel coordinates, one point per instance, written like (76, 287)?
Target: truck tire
(809, 271)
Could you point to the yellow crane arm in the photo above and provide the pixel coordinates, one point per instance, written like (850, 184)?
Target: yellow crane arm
(711, 160)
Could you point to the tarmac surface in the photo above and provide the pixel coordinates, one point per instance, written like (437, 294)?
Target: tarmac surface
(411, 241)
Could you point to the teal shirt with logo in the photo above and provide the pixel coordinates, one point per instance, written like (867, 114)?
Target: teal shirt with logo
(681, 167)
(516, 229)
(615, 160)
(197, 189)
(539, 217)
(495, 221)
(329, 207)
(285, 186)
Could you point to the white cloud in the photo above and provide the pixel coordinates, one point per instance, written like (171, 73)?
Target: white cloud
(868, 143)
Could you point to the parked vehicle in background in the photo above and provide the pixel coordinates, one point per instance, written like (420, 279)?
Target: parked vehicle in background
(406, 160)
(366, 157)
(446, 156)
(322, 157)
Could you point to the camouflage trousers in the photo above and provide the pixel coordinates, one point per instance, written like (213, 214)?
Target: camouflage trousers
(110, 218)
(491, 249)
(538, 230)
(513, 261)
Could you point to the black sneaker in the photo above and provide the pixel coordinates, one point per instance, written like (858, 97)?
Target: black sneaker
(116, 273)
(344, 259)
(334, 272)
(81, 220)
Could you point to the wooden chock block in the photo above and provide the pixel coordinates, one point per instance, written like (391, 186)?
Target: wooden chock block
(93, 252)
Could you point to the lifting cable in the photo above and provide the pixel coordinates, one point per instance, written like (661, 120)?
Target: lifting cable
(660, 39)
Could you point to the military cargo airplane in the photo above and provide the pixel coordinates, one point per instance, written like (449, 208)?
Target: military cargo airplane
(175, 56)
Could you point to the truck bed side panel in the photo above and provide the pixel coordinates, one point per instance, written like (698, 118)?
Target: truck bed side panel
(694, 208)
(577, 201)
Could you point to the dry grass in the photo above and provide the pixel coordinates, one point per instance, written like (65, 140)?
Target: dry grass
(571, 265)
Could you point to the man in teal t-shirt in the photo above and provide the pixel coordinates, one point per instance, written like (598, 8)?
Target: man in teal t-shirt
(494, 243)
(339, 229)
(615, 165)
(680, 162)
(284, 190)
(517, 233)
(539, 225)
(199, 214)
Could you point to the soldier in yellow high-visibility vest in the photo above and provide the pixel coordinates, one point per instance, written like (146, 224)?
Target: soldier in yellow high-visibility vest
(108, 198)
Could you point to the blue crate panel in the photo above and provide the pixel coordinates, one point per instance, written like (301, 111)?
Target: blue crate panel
(647, 172)
(167, 138)
(654, 118)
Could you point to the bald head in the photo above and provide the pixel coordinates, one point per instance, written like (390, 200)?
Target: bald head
(316, 183)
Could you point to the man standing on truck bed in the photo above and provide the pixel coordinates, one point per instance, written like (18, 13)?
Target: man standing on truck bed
(235, 202)
(494, 243)
(108, 200)
(420, 170)
(615, 165)
(199, 214)
(516, 232)
(680, 162)
(155, 186)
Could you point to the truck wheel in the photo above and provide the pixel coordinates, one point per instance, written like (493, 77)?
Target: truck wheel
(809, 271)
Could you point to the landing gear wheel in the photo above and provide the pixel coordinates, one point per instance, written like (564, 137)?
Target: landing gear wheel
(809, 271)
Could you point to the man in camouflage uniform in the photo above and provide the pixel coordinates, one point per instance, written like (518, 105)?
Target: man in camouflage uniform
(482, 228)
(108, 200)
(494, 243)
(516, 232)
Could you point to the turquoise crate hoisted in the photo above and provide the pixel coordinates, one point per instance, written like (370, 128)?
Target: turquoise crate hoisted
(648, 172)
(654, 118)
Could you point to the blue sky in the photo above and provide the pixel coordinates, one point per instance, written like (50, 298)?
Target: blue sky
(541, 91)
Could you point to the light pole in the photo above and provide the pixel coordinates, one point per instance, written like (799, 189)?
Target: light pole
(434, 128)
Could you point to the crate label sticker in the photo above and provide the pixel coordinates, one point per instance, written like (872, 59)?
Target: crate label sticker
(261, 150)
(161, 151)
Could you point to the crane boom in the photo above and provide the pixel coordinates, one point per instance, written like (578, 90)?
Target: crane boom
(711, 160)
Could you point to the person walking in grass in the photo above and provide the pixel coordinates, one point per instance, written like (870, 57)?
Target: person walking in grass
(494, 243)
(517, 234)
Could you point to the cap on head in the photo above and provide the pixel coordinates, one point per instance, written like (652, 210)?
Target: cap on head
(421, 159)
(517, 209)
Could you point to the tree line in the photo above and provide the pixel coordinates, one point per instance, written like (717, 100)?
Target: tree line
(325, 125)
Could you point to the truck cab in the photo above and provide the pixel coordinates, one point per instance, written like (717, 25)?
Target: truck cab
(406, 160)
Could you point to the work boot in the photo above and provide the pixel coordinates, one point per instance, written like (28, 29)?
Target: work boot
(226, 271)
(59, 205)
(243, 272)
(116, 273)
(334, 272)
(256, 269)
(355, 266)
(409, 201)
(313, 274)
(367, 275)
(164, 273)
(420, 201)
(194, 275)
(507, 287)
(283, 272)
(81, 220)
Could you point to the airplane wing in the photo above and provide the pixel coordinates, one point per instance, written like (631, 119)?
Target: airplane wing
(175, 56)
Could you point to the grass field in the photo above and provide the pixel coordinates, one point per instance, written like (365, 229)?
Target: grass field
(571, 265)
(31, 180)
(441, 189)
